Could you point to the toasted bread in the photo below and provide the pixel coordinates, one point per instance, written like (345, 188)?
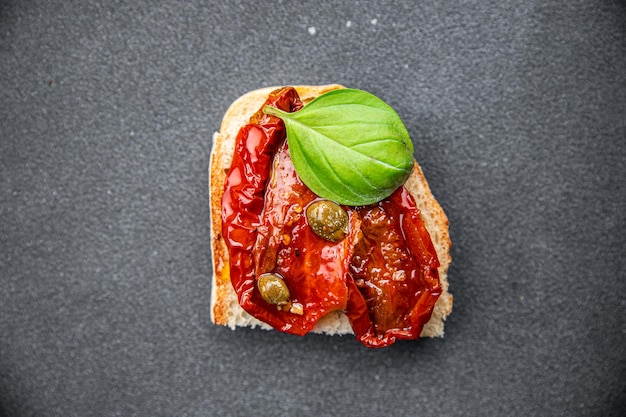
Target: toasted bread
(225, 308)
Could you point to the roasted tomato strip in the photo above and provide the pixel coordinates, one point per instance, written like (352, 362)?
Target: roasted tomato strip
(394, 268)
(382, 274)
(314, 269)
(265, 227)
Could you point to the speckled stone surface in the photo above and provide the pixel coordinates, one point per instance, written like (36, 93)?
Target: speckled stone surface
(517, 111)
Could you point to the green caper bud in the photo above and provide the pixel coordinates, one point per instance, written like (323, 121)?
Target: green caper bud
(273, 289)
(328, 220)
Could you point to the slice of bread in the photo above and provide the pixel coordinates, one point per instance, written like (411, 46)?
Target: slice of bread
(225, 309)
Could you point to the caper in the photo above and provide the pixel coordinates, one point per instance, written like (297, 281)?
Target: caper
(273, 289)
(328, 220)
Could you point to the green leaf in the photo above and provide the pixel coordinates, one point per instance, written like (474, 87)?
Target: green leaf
(348, 146)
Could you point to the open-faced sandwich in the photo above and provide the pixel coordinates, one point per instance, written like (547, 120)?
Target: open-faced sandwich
(322, 221)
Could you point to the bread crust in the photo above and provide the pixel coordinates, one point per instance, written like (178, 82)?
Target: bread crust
(225, 308)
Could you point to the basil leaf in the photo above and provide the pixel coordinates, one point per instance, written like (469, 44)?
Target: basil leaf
(348, 146)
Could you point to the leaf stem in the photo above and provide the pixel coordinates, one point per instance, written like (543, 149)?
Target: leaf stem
(273, 111)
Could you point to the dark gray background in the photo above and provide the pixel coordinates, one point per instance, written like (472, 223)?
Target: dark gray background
(518, 114)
